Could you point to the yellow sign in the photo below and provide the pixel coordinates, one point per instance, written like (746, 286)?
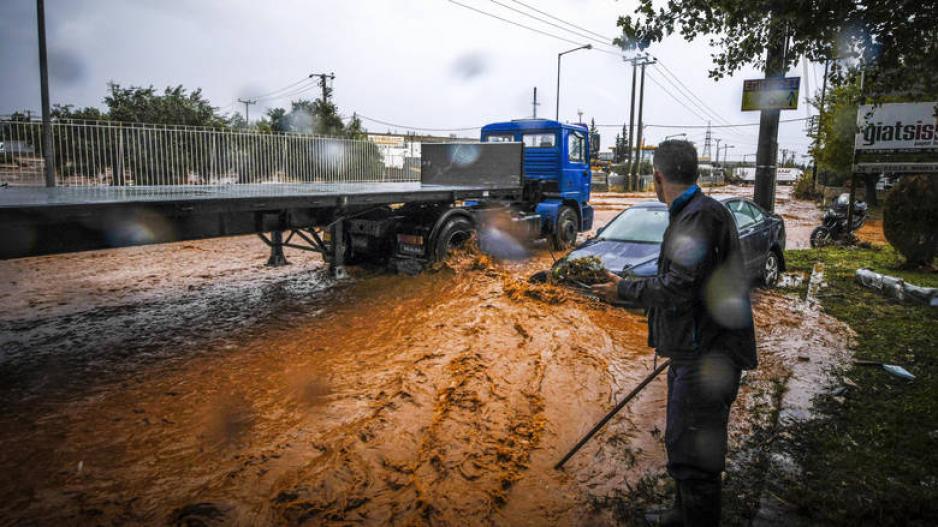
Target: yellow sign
(771, 94)
(386, 140)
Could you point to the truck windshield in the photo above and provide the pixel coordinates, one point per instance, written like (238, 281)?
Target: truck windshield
(500, 138)
(540, 140)
(637, 225)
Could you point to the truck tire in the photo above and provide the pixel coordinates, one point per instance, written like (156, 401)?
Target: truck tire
(455, 233)
(564, 235)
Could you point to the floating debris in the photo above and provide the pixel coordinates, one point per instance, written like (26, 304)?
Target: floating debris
(587, 270)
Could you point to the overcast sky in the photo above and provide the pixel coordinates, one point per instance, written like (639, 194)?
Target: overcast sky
(417, 63)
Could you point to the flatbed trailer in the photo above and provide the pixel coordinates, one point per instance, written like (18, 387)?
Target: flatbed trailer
(123, 184)
(322, 216)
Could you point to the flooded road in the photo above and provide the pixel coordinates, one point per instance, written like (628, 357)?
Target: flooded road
(188, 384)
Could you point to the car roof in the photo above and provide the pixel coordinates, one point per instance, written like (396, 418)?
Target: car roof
(649, 204)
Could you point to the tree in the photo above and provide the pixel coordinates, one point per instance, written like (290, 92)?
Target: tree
(834, 140)
(888, 38)
(909, 219)
(174, 106)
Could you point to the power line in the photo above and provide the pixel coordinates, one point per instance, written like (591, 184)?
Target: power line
(285, 88)
(536, 10)
(395, 125)
(594, 39)
(738, 125)
(507, 21)
(691, 110)
(692, 96)
(709, 114)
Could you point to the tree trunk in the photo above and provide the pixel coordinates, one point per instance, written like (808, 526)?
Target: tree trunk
(870, 180)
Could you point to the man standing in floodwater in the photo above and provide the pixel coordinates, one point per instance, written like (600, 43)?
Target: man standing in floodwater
(699, 316)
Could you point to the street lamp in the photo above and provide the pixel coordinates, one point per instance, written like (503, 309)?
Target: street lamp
(725, 148)
(561, 54)
(675, 135)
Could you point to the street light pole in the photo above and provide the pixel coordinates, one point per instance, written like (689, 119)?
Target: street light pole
(559, 55)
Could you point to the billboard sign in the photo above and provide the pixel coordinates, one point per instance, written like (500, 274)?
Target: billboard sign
(771, 94)
(897, 138)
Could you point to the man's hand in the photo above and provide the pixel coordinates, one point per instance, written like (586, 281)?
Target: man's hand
(608, 291)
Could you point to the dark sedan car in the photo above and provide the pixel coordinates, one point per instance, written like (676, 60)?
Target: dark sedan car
(631, 242)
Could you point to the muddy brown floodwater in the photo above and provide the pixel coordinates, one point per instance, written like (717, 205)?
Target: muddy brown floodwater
(188, 384)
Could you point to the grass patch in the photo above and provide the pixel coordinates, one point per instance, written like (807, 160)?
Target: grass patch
(872, 458)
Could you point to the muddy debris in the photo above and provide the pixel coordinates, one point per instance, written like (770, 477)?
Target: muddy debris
(587, 270)
(520, 290)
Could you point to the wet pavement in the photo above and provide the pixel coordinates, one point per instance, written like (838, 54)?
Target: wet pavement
(189, 383)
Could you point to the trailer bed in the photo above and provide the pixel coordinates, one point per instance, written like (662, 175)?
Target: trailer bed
(238, 195)
(38, 221)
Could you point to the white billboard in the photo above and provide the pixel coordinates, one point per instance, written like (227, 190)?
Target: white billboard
(897, 138)
(897, 126)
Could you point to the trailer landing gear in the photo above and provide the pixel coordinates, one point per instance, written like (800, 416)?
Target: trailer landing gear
(309, 240)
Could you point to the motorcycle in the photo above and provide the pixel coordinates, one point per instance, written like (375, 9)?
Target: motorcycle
(834, 228)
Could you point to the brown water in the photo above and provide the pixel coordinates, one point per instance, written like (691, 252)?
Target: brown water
(161, 385)
(390, 399)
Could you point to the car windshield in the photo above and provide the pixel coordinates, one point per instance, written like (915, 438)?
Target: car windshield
(637, 225)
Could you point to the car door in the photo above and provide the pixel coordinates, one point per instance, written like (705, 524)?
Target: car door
(762, 231)
(576, 165)
(746, 226)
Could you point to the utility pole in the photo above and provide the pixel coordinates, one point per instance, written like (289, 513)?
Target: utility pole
(247, 114)
(717, 161)
(534, 105)
(707, 143)
(44, 94)
(631, 132)
(820, 117)
(767, 152)
(641, 105)
(324, 79)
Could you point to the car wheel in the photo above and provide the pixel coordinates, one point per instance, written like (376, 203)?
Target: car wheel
(820, 237)
(454, 234)
(564, 235)
(771, 269)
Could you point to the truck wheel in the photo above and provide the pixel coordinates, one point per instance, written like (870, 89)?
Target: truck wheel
(564, 235)
(455, 233)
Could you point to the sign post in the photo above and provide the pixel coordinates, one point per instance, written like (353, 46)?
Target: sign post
(769, 96)
(896, 138)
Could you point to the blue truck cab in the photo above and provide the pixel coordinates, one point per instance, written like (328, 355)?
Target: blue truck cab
(556, 174)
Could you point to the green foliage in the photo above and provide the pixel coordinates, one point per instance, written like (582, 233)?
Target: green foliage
(910, 218)
(887, 37)
(313, 117)
(174, 106)
(870, 458)
(587, 270)
(804, 187)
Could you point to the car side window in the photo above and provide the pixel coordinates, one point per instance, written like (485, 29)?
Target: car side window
(575, 147)
(757, 214)
(742, 213)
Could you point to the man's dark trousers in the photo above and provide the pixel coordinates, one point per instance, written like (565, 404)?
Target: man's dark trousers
(700, 393)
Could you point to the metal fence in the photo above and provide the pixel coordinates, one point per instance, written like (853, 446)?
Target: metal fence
(103, 153)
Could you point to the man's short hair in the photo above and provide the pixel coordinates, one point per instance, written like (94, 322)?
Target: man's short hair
(677, 161)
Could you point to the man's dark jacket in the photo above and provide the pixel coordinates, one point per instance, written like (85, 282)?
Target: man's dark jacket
(699, 301)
